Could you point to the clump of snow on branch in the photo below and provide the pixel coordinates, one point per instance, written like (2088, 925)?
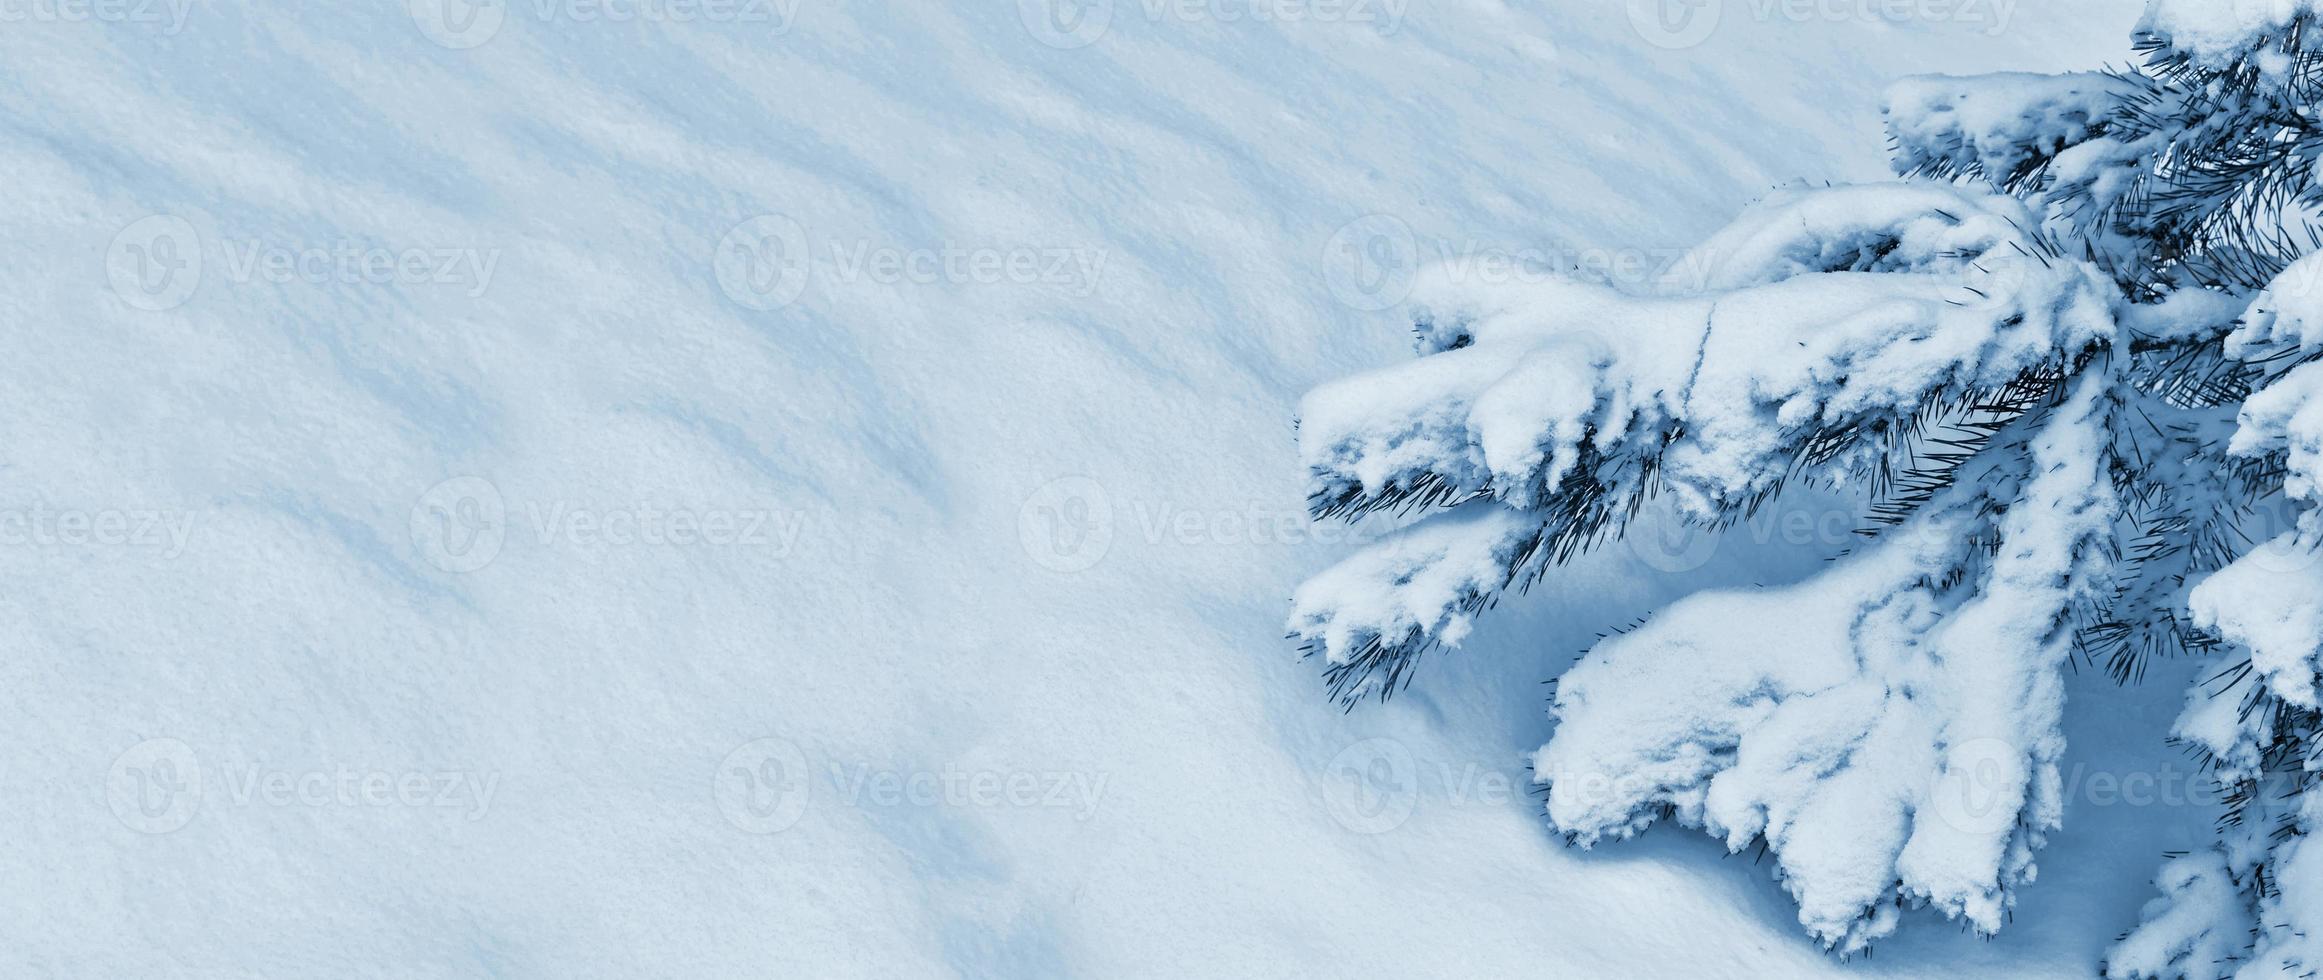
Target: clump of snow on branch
(2198, 928)
(2271, 603)
(2002, 127)
(1888, 728)
(1427, 581)
(2286, 317)
(2218, 31)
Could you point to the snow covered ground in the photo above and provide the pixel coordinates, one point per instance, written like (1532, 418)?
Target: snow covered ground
(808, 489)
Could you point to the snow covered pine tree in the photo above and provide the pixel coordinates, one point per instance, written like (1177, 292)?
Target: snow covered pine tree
(2074, 357)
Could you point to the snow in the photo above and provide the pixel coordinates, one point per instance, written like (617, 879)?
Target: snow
(2188, 314)
(2216, 31)
(2267, 602)
(1036, 524)
(2286, 316)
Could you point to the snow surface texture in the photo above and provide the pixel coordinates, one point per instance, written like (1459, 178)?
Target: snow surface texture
(904, 607)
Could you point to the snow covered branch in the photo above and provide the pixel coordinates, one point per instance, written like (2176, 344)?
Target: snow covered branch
(1797, 343)
(1888, 728)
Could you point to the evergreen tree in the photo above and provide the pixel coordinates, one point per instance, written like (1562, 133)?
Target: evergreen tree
(2068, 360)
